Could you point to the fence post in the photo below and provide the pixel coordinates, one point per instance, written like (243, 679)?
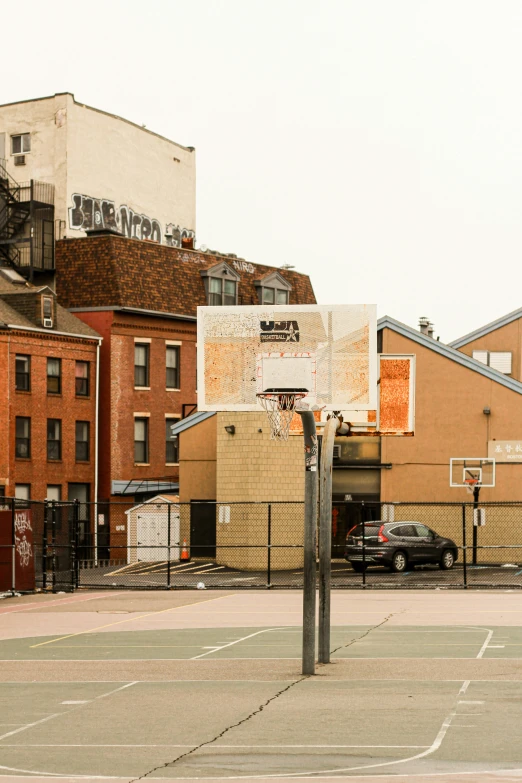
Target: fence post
(168, 545)
(464, 548)
(44, 546)
(476, 491)
(363, 524)
(53, 544)
(75, 554)
(269, 549)
(13, 550)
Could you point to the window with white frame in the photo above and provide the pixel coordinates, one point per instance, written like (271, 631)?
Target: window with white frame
(20, 143)
(273, 290)
(172, 366)
(498, 360)
(221, 284)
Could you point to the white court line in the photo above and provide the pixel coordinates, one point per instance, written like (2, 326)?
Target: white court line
(217, 649)
(29, 725)
(240, 747)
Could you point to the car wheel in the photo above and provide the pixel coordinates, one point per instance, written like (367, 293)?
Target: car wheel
(447, 560)
(358, 568)
(399, 562)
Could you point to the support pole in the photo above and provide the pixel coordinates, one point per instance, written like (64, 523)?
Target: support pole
(476, 492)
(310, 540)
(325, 538)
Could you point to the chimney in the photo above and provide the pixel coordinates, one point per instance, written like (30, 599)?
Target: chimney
(430, 330)
(424, 324)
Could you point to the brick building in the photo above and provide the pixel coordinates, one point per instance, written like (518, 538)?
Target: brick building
(48, 361)
(142, 298)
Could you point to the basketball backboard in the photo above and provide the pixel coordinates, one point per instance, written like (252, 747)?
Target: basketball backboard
(472, 472)
(326, 351)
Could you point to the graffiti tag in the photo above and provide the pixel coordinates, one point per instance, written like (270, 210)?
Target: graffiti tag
(89, 213)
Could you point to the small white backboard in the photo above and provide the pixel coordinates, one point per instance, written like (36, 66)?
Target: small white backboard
(471, 472)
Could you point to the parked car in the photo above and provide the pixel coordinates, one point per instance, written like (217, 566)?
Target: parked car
(398, 545)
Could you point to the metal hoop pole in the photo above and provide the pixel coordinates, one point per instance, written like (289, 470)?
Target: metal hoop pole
(310, 540)
(325, 538)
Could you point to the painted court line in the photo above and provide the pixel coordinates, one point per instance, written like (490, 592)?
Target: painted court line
(41, 604)
(127, 620)
(230, 644)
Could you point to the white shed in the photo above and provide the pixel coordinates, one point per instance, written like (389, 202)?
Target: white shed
(148, 530)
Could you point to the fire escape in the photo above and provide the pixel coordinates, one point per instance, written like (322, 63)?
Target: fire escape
(26, 225)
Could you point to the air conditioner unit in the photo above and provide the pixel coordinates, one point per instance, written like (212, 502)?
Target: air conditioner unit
(19, 160)
(48, 323)
(337, 452)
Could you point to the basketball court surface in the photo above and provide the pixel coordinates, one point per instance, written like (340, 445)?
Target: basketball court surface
(207, 686)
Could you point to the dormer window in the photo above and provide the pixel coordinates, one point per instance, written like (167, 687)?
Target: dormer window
(47, 311)
(273, 290)
(221, 282)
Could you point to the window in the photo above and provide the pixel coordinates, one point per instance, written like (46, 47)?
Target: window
(23, 437)
(141, 440)
(23, 373)
(54, 439)
(172, 450)
(423, 532)
(47, 311)
(273, 290)
(222, 292)
(21, 143)
(172, 367)
(141, 364)
(82, 379)
(54, 492)
(498, 360)
(221, 283)
(54, 376)
(82, 441)
(23, 491)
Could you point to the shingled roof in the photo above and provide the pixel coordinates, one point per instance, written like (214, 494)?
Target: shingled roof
(111, 271)
(18, 308)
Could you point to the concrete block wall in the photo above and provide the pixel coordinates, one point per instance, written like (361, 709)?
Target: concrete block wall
(252, 468)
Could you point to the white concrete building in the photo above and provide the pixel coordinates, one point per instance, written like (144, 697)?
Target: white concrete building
(89, 170)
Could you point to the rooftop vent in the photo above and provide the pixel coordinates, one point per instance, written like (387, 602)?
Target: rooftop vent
(10, 274)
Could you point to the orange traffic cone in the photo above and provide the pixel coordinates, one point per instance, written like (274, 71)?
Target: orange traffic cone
(184, 552)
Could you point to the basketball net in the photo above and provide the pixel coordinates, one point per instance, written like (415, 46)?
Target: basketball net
(470, 485)
(280, 409)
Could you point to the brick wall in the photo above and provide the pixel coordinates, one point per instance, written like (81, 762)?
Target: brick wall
(37, 404)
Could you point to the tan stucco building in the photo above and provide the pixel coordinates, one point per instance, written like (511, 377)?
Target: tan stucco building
(101, 172)
(461, 406)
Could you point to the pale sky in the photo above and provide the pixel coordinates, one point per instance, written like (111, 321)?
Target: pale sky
(374, 144)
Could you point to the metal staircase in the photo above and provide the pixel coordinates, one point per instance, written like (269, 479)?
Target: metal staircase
(14, 213)
(26, 224)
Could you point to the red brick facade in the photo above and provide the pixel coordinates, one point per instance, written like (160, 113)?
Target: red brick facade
(39, 406)
(120, 400)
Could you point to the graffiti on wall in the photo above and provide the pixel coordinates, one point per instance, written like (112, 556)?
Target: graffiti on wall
(89, 213)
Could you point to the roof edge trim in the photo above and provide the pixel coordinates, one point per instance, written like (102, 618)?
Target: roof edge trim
(386, 322)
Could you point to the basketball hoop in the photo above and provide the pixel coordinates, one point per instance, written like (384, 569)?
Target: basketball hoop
(470, 484)
(280, 407)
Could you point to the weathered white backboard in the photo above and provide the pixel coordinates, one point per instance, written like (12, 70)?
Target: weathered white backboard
(329, 351)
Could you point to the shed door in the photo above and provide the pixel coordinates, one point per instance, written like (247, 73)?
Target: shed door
(152, 534)
(203, 529)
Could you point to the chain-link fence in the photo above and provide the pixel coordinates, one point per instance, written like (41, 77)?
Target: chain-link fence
(167, 545)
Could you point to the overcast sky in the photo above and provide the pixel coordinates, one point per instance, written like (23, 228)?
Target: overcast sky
(375, 144)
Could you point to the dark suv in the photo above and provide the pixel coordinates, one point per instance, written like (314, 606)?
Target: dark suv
(398, 545)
